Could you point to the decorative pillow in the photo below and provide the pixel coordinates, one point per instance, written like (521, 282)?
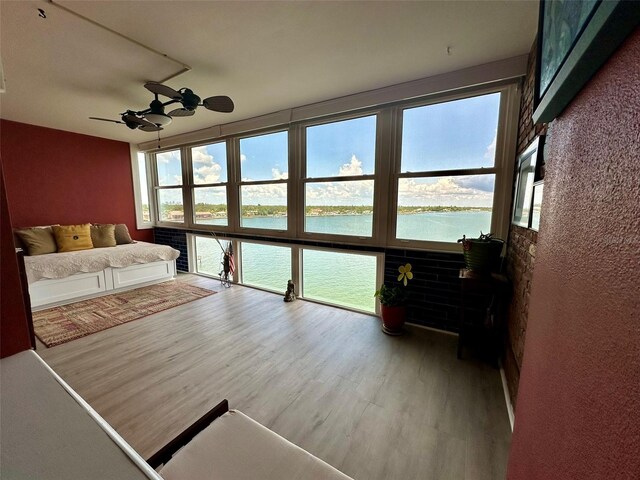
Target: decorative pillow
(103, 236)
(122, 234)
(37, 240)
(73, 237)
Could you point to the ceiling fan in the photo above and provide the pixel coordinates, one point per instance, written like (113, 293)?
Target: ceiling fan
(152, 119)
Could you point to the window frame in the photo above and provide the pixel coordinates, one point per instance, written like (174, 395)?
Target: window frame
(191, 185)
(380, 261)
(289, 232)
(502, 168)
(141, 223)
(386, 174)
(302, 180)
(156, 188)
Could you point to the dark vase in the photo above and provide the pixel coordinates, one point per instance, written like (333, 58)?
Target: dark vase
(393, 319)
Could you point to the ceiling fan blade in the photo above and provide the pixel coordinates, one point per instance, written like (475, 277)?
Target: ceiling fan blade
(150, 128)
(105, 120)
(181, 112)
(140, 121)
(219, 103)
(160, 89)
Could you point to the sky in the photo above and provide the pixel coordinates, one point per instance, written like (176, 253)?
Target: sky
(452, 135)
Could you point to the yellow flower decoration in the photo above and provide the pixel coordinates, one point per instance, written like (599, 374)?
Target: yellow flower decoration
(405, 273)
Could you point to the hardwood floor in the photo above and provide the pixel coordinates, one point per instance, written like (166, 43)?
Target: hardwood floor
(373, 406)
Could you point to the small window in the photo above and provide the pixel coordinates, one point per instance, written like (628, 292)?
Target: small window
(169, 168)
(264, 177)
(169, 190)
(443, 209)
(144, 217)
(451, 135)
(209, 173)
(171, 205)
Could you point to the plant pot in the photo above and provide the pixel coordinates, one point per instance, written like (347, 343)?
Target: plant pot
(393, 319)
(482, 256)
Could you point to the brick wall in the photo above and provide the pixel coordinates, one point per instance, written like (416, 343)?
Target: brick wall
(434, 293)
(521, 248)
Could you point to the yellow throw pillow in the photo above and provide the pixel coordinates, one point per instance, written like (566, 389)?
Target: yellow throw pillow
(37, 240)
(73, 237)
(103, 235)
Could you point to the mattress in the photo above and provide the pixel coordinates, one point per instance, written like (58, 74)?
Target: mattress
(61, 265)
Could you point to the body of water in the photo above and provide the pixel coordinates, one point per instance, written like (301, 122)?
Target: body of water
(335, 277)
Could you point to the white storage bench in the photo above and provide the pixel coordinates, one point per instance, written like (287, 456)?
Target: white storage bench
(53, 292)
(60, 278)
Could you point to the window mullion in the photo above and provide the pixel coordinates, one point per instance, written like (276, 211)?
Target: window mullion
(233, 189)
(187, 189)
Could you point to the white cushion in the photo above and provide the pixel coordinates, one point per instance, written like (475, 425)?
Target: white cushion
(236, 447)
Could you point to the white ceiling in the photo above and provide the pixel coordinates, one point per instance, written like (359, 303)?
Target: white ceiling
(267, 56)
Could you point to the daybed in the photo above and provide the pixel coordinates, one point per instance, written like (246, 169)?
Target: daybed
(58, 278)
(228, 445)
(50, 432)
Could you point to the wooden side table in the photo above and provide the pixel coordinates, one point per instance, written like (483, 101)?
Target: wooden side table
(492, 291)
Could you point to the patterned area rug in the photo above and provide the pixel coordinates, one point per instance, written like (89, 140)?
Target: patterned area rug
(62, 324)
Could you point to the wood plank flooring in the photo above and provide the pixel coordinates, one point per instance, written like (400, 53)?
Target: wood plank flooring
(373, 406)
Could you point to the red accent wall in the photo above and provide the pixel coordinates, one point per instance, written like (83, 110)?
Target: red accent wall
(53, 176)
(578, 412)
(14, 331)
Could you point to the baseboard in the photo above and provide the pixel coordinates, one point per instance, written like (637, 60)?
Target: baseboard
(507, 396)
(433, 329)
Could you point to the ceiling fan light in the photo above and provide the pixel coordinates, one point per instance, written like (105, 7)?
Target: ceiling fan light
(158, 118)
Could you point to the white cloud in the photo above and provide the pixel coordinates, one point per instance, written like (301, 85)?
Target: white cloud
(243, 157)
(166, 157)
(267, 194)
(464, 191)
(210, 170)
(340, 193)
(354, 167)
(278, 175)
(200, 155)
(207, 174)
(490, 154)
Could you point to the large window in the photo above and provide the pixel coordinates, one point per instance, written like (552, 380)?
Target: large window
(340, 167)
(265, 266)
(209, 177)
(447, 173)
(169, 186)
(264, 170)
(207, 254)
(345, 279)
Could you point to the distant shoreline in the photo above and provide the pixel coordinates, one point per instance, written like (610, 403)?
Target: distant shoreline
(260, 211)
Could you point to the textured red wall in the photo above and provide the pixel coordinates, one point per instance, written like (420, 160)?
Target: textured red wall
(578, 412)
(14, 331)
(53, 176)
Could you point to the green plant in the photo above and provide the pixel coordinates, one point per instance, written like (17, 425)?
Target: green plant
(396, 295)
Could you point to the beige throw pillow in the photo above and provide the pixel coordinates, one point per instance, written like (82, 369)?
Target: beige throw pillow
(103, 236)
(37, 240)
(122, 234)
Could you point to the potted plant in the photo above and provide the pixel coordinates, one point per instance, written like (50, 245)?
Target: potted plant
(481, 254)
(392, 302)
